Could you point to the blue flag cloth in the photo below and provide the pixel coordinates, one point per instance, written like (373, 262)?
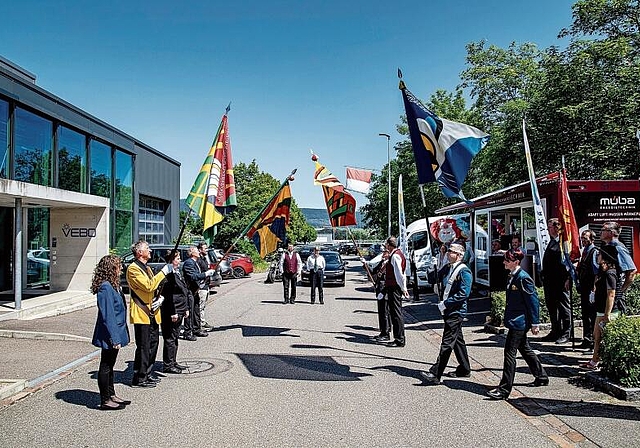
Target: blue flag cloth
(443, 149)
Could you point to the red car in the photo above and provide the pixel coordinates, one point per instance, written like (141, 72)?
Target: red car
(241, 265)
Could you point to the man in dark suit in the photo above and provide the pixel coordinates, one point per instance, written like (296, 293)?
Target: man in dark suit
(521, 315)
(556, 283)
(196, 279)
(456, 279)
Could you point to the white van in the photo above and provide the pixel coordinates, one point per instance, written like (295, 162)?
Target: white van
(419, 242)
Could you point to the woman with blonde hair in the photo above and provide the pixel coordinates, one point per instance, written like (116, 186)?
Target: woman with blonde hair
(111, 332)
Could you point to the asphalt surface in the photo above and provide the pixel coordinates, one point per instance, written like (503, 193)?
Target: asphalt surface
(307, 375)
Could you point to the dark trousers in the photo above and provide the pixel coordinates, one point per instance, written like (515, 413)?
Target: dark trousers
(189, 321)
(394, 296)
(105, 374)
(289, 281)
(147, 338)
(317, 281)
(452, 341)
(588, 311)
(557, 300)
(517, 342)
(170, 333)
(195, 316)
(384, 319)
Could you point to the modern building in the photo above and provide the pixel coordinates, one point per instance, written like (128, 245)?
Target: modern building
(72, 189)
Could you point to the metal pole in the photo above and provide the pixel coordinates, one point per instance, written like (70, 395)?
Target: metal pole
(17, 255)
(389, 181)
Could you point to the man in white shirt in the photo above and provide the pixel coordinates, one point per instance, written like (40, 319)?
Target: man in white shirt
(315, 266)
(290, 266)
(396, 288)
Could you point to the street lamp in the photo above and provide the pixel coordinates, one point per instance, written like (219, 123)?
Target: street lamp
(389, 181)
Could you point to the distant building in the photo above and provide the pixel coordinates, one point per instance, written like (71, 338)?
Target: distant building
(72, 188)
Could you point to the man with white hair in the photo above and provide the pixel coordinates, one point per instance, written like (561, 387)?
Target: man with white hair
(396, 288)
(456, 279)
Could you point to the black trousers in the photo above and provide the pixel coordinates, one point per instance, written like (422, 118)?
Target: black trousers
(317, 281)
(394, 296)
(147, 338)
(195, 316)
(517, 342)
(452, 341)
(170, 333)
(588, 311)
(289, 282)
(557, 300)
(105, 374)
(384, 319)
(188, 321)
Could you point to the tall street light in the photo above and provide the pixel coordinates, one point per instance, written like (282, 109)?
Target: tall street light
(389, 181)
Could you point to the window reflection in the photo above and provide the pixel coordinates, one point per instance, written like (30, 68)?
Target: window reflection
(33, 148)
(4, 138)
(124, 181)
(100, 169)
(72, 160)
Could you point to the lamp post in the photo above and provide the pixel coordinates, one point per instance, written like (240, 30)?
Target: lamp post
(389, 181)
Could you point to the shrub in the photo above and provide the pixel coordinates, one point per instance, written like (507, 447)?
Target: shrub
(633, 297)
(620, 351)
(498, 301)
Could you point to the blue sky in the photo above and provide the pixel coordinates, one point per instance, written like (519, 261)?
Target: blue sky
(299, 75)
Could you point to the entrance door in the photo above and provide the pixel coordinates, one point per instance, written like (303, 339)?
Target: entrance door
(6, 249)
(38, 260)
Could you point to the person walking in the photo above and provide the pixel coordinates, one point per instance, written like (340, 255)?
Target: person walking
(316, 265)
(521, 315)
(556, 284)
(456, 279)
(173, 310)
(144, 313)
(290, 266)
(110, 332)
(396, 288)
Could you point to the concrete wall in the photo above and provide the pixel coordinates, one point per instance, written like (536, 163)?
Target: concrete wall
(81, 237)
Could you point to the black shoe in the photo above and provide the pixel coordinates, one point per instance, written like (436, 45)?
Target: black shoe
(144, 384)
(539, 382)
(172, 370)
(180, 366)
(111, 406)
(562, 340)
(206, 326)
(292, 302)
(586, 344)
(430, 378)
(497, 394)
(382, 338)
(321, 302)
(153, 379)
(395, 343)
(455, 374)
(119, 400)
(201, 334)
(189, 337)
(548, 338)
(313, 302)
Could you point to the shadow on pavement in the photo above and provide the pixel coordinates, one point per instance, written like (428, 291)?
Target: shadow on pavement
(365, 299)
(548, 406)
(291, 367)
(80, 397)
(357, 338)
(365, 312)
(364, 289)
(373, 355)
(251, 330)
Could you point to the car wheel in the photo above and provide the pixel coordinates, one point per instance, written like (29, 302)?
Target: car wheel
(238, 272)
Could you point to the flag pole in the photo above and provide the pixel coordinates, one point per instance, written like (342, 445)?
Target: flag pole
(364, 263)
(564, 254)
(248, 227)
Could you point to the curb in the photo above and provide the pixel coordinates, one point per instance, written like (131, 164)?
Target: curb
(19, 334)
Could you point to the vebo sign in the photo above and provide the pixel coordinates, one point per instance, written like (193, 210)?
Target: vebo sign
(78, 232)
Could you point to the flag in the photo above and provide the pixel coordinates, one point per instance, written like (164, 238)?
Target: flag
(358, 180)
(542, 232)
(443, 149)
(341, 206)
(403, 243)
(213, 194)
(270, 226)
(569, 234)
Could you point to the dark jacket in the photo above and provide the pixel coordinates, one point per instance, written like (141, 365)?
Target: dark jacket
(522, 309)
(193, 276)
(111, 323)
(175, 294)
(456, 303)
(554, 272)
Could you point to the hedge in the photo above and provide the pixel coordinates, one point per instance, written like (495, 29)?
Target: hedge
(620, 351)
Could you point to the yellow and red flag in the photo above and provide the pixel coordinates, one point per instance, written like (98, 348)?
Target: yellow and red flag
(341, 206)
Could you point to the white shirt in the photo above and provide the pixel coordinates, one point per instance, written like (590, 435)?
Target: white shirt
(291, 254)
(311, 263)
(396, 263)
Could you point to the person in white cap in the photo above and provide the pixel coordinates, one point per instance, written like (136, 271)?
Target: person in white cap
(456, 279)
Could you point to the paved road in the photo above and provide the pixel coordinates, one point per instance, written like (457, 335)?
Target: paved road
(309, 375)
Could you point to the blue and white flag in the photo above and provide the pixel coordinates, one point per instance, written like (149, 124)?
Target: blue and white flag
(403, 242)
(443, 149)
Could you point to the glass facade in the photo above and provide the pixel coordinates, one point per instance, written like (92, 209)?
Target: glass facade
(33, 148)
(72, 160)
(38, 261)
(151, 220)
(123, 201)
(4, 139)
(100, 169)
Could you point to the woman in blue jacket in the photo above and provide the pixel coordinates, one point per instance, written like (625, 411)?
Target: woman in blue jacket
(520, 315)
(111, 332)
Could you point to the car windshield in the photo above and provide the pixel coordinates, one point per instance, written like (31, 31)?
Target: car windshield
(331, 258)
